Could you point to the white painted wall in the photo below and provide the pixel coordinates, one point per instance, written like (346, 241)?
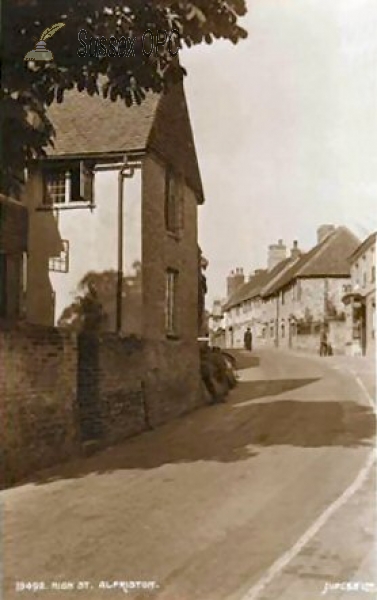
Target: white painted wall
(92, 237)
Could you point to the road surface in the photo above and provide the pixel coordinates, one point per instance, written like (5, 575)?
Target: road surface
(271, 496)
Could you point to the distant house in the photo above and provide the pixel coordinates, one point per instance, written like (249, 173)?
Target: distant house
(309, 294)
(245, 306)
(216, 324)
(242, 310)
(286, 304)
(80, 228)
(360, 298)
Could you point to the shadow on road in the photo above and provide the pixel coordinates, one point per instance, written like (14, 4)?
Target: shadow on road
(261, 388)
(234, 431)
(244, 360)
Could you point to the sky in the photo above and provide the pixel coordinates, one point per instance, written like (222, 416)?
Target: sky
(285, 125)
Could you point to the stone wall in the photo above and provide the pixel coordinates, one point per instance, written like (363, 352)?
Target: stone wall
(338, 336)
(308, 342)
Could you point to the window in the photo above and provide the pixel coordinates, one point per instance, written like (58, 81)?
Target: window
(65, 183)
(356, 273)
(283, 297)
(174, 203)
(60, 264)
(57, 186)
(298, 290)
(373, 274)
(171, 302)
(364, 279)
(3, 285)
(282, 330)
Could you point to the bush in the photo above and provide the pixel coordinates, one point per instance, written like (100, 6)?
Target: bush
(217, 373)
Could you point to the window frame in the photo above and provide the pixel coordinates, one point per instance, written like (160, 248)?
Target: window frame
(78, 183)
(60, 264)
(174, 203)
(171, 302)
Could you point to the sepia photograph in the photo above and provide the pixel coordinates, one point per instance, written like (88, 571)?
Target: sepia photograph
(188, 233)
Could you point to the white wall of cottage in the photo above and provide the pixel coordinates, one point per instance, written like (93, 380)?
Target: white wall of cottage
(92, 235)
(363, 271)
(269, 318)
(363, 276)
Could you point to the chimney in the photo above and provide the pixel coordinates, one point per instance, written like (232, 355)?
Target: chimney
(276, 253)
(323, 231)
(216, 309)
(295, 252)
(234, 281)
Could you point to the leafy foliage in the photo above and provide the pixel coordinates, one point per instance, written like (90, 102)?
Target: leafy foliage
(202, 291)
(94, 304)
(29, 88)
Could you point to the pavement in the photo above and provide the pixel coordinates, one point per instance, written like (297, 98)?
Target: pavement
(271, 496)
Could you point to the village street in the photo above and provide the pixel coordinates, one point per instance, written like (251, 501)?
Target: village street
(280, 476)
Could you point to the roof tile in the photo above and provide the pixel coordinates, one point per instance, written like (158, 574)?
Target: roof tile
(93, 125)
(327, 259)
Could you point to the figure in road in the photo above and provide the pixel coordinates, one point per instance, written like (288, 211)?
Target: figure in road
(323, 348)
(248, 339)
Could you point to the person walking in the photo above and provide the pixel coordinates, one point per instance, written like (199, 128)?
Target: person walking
(323, 348)
(248, 339)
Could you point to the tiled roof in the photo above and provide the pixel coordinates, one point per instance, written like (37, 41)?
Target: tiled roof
(367, 243)
(277, 274)
(255, 285)
(327, 259)
(95, 125)
(92, 125)
(246, 291)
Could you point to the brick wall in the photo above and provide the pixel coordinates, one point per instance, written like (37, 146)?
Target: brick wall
(38, 370)
(110, 388)
(128, 385)
(57, 391)
(172, 384)
(162, 251)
